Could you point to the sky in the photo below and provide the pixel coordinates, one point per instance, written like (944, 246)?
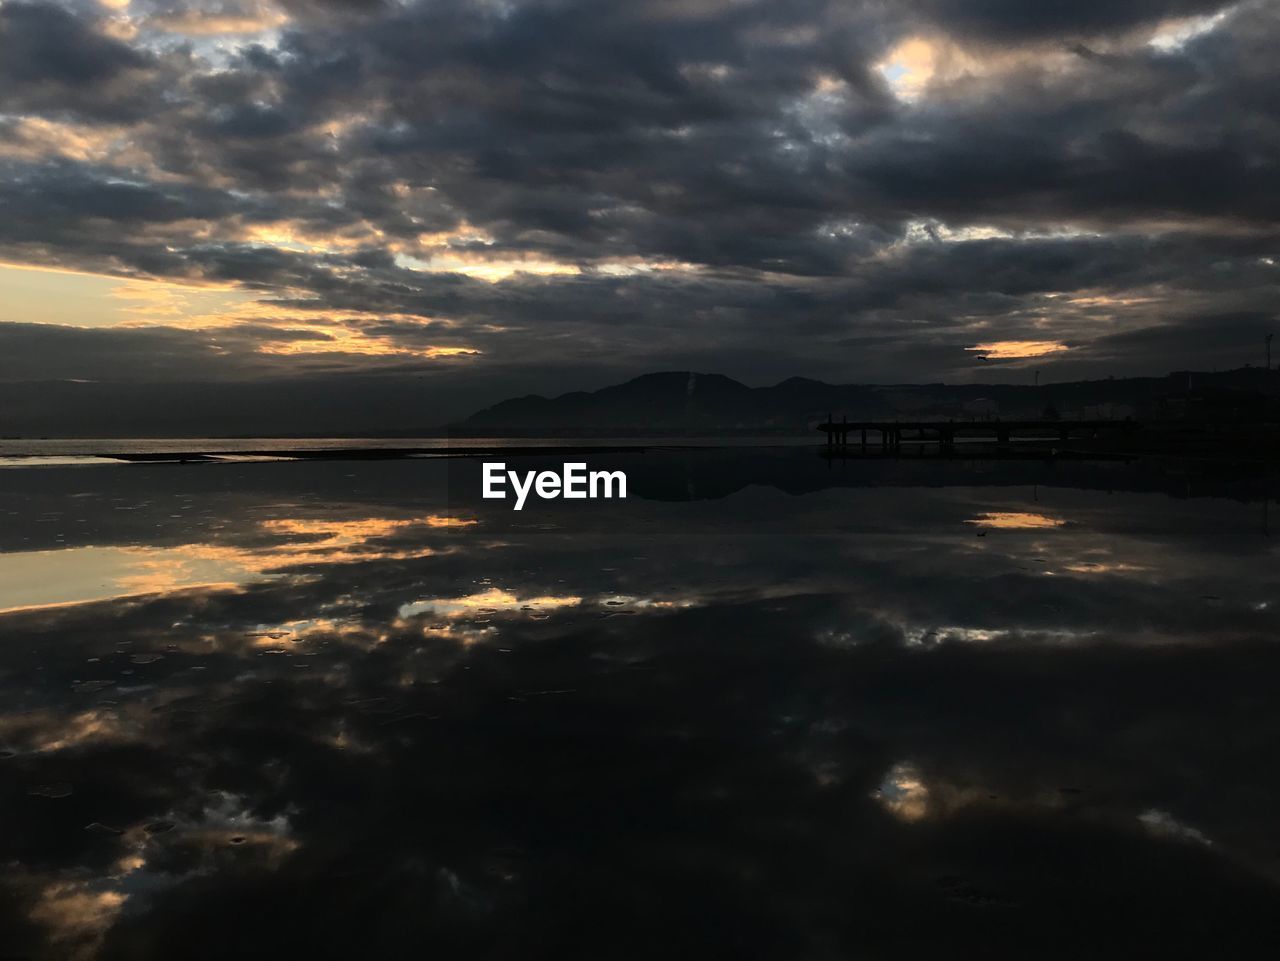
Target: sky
(304, 213)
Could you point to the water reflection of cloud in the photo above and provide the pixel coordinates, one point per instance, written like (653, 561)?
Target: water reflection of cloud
(54, 731)
(329, 532)
(76, 575)
(903, 792)
(1105, 567)
(446, 520)
(77, 912)
(1015, 520)
(794, 712)
(79, 574)
(491, 601)
(1164, 824)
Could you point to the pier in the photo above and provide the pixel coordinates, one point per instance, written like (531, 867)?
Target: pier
(889, 435)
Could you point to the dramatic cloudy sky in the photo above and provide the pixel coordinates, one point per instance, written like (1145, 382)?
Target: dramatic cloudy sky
(400, 210)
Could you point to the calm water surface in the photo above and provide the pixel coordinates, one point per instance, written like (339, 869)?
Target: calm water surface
(81, 452)
(765, 708)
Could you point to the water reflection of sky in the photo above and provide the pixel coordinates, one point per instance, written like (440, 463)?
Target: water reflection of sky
(851, 721)
(76, 574)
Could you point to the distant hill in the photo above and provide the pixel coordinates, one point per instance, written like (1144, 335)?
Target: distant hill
(683, 400)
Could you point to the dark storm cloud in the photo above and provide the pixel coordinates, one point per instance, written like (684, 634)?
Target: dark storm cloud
(804, 186)
(52, 60)
(49, 197)
(43, 44)
(1013, 19)
(50, 352)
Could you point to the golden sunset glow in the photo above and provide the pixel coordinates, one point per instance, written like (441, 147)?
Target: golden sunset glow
(46, 731)
(211, 25)
(147, 302)
(693, 478)
(1016, 349)
(338, 341)
(80, 298)
(1016, 520)
(1104, 567)
(338, 531)
(294, 235)
(82, 574)
(75, 911)
(445, 520)
(909, 66)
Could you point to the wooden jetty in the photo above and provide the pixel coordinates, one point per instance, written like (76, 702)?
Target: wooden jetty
(889, 435)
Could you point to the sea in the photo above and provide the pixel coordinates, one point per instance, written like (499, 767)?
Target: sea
(772, 704)
(68, 452)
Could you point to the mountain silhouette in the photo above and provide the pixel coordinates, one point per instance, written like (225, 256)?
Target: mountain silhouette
(684, 400)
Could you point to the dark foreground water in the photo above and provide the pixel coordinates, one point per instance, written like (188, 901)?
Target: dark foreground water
(764, 708)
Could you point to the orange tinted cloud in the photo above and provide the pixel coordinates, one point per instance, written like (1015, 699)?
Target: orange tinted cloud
(1014, 349)
(1016, 520)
